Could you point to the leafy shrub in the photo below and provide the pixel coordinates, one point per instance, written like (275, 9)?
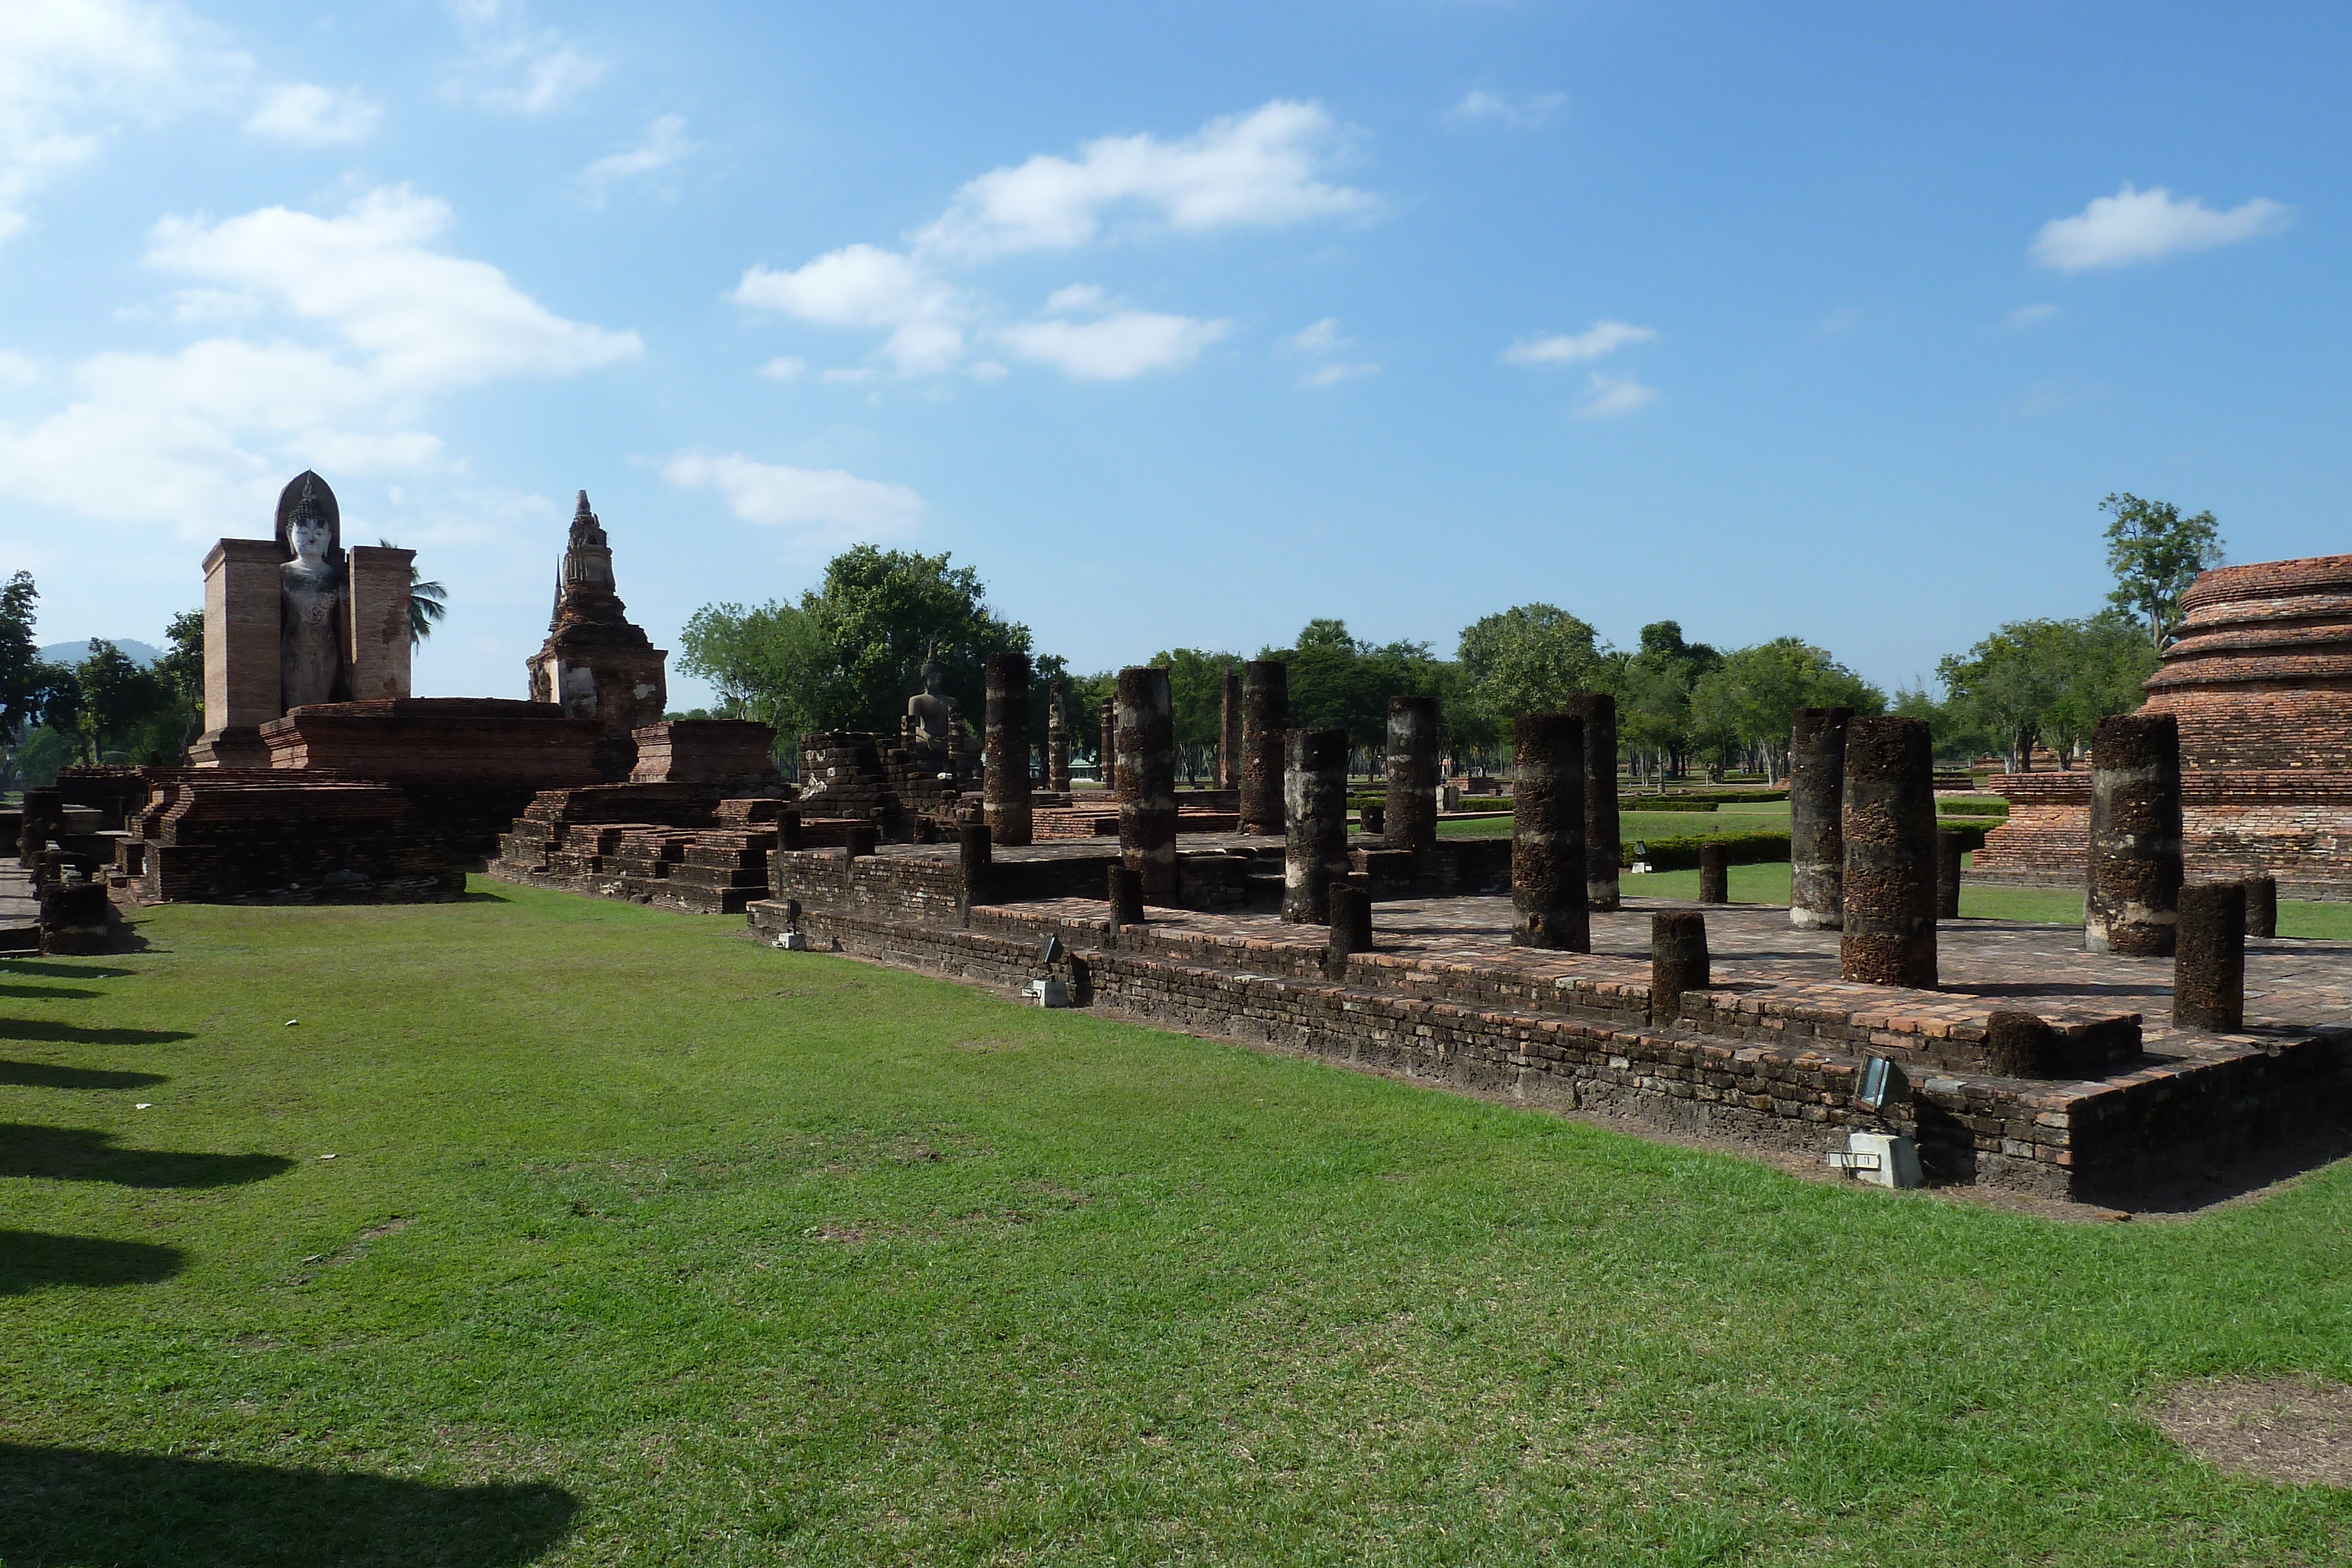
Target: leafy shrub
(1681, 851)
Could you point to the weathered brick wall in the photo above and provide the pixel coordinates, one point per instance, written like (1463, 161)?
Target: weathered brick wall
(2077, 1140)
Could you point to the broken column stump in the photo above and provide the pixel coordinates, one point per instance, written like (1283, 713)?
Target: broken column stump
(1146, 745)
(975, 857)
(1411, 806)
(1598, 712)
(2020, 1044)
(1229, 731)
(2262, 907)
(1888, 824)
(1057, 740)
(1265, 720)
(1005, 786)
(1952, 850)
(2209, 960)
(2132, 899)
(1816, 802)
(1315, 817)
(1351, 927)
(1678, 961)
(1549, 905)
(1125, 891)
(1713, 875)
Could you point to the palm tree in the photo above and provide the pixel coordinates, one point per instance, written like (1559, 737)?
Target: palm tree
(428, 602)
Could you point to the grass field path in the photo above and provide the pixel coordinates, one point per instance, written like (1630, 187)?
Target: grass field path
(640, 1243)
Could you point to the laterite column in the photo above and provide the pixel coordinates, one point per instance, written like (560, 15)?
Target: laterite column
(1351, 928)
(1678, 961)
(1412, 785)
(1146, 743)
(2262, 907)
(1057, 740)
(1229, 731)
(1713, 875)
(1951, 852)
(1004, 788)
(2134, 894)
(2208, 963)
(1599, 712)
(1816, 800)
(1549, 907)
(1889, 824)
(1107, 759)
(1265, 720)
(1315, 813)
(975, 857)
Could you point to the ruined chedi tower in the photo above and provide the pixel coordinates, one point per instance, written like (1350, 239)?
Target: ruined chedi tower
(595, 663)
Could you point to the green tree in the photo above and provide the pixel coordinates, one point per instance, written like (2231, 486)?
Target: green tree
(1530, 658)
(1196, 691)
(428, 602)
(121, 700)
(2045, 681)
(2156, 553)
(851, 651)
(1750, 701)
(1653, 690)
(1339, 682)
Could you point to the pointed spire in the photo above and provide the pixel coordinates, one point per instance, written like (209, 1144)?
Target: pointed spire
(582, 509)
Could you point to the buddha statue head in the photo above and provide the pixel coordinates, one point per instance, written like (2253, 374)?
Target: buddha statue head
(310, 524)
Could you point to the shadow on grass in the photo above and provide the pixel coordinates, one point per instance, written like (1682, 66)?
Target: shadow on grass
(49, 1075)
(30, 1260)
(81, 1154)
(74, 1034)
(50, 993)
(77, 1506)
(61, 971)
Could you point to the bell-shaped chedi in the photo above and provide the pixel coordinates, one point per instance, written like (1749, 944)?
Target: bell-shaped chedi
(595, 663)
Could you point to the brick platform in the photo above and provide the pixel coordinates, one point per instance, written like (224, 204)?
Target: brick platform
(1767, 1053)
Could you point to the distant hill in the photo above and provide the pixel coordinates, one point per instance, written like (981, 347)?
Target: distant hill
(74, 652)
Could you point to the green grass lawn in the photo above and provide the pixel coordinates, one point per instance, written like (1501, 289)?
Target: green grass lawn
(644, 1244)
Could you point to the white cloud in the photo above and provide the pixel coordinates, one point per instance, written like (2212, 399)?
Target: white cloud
(2145, 225)
(429, 319)
(2026, 315)
(1606, 397)
(665, 143)
(1605, 337)
(1120, 345)
(1321, 340)
(826, 507)
(512, 66)
(850, 375)
(1077, 297)
(17, 369)
(73, 70)
(864, 285)
(201, 438)
(1263, 169)
(309, 115)
(1536, 109)
(1339, 370)
(782, 368)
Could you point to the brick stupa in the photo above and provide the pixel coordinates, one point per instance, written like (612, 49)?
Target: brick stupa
(2261, 682)
(595, 663)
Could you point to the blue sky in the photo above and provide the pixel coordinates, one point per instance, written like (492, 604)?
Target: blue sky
(1182, 324)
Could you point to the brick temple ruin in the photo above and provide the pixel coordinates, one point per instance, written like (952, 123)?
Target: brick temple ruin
(2260, 682)
(2176, 1035)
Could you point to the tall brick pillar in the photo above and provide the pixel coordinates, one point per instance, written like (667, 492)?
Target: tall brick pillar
(1005, 786)
(379, 641)
(1816, 800)
(1146, 747)
(1315, 817)
(1889, 826)
(2132, 899)
(1107, 757)
(1412, 785)
(1265, 721)
(1549, 907)
(241, 615)
(1057, 739)
(1229, 731)
(1598, 711)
